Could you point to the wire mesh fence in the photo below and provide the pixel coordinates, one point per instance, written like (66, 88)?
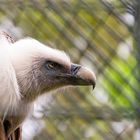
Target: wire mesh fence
(98, 34)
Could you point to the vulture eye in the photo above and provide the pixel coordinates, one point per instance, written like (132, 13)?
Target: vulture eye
(51, 66)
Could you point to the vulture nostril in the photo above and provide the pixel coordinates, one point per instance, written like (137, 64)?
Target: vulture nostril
(75, 68)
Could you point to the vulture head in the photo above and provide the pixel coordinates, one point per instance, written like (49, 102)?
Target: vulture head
(29, 69)
(40, 69)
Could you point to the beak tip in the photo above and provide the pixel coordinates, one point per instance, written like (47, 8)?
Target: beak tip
(83, 76)
(93, 87)
(93, 82)
(88, 76)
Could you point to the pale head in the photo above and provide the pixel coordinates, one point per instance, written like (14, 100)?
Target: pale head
(40, 68)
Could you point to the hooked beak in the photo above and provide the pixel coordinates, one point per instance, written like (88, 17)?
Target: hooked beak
(81, 75)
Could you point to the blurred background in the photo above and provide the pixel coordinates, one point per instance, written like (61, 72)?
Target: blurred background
(100, 34)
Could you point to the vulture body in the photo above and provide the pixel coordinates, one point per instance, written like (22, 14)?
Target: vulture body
(30, 69)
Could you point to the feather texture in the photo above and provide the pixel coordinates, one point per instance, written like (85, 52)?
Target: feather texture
(9, 90)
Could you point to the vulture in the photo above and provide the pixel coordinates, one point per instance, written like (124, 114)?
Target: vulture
(29, 69)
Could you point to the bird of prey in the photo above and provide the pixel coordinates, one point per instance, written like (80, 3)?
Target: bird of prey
(29, 69)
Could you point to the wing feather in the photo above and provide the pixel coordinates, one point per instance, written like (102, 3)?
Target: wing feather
(9, 90)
